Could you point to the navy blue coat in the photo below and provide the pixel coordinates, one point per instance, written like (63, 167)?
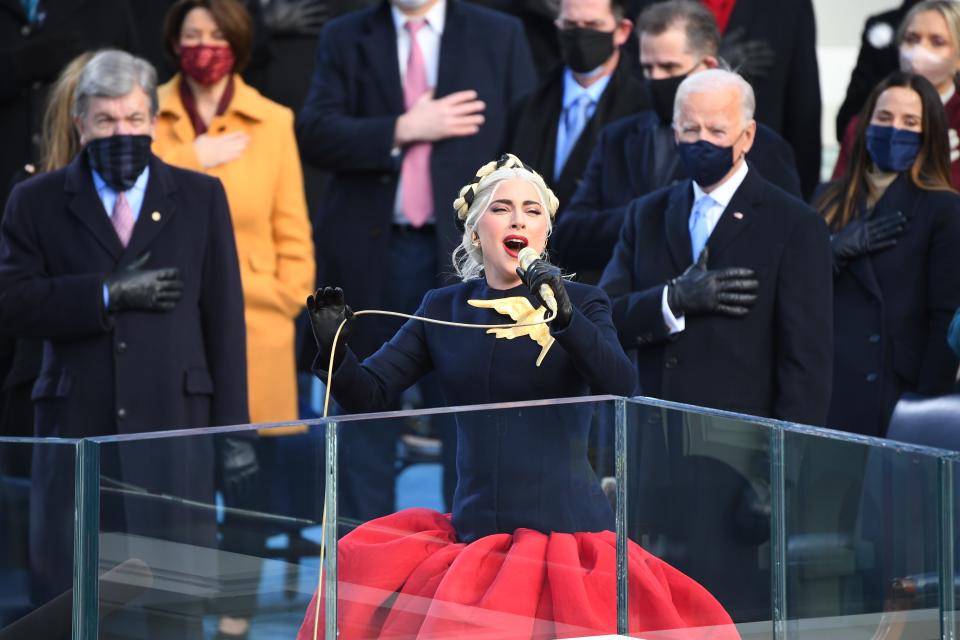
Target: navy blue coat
(128, 372)
(624, 165)
(347, 124)
(515, 469)
(774, 362)
(892, 309)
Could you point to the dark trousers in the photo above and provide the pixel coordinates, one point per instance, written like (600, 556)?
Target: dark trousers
(367, 450)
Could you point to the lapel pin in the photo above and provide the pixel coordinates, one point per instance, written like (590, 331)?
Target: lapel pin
(155, 216)
(738, 215)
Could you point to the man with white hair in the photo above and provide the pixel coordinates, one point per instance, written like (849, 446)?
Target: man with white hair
(723, 282)
(127, 268)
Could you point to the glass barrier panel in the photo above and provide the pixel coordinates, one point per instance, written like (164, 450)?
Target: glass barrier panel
(519, 544)
(37, 502)
(698, 498)
(209, 530)
(863, 523)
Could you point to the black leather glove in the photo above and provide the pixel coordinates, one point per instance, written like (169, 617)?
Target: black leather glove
(727, 292)
(143, 290)
(750, 58)
(540, 273)
(327, 311)
(240, 469)
(861, 237)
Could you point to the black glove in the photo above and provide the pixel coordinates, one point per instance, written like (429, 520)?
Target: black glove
(861, 237)
(143, 290)
(327, 311)
(750, 58)
(699, 291)
(540, 273)
(240, 468)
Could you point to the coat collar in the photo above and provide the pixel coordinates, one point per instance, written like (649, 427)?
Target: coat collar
(379, 45)
(246, 103)
(85, 204)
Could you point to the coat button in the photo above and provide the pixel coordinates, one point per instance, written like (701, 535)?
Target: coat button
(35, 138)
(385, 178)
(121, 346)
(875, 338)
(872, 377)
(25, 30)
(121, 413)
(671, 363)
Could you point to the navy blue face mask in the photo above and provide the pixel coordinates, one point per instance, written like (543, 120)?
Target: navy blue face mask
(706, 162)
(891, 149)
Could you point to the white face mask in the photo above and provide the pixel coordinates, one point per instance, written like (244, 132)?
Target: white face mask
(409, 4)
(920, 60)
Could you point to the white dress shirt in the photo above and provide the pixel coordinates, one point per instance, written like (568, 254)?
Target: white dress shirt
(722, 196)
(428, 38)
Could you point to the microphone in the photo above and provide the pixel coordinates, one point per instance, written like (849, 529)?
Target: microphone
(526, 258)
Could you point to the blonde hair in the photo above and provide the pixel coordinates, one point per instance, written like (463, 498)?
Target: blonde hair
(948, 9)
(60, 142)
(474, 198)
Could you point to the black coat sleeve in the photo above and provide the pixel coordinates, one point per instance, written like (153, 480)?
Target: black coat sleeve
(938, 368)
(330, 134)
(221, 313)
(34, 303)
(804, 321)
(591, 341)
(635, 313)
(802, 105)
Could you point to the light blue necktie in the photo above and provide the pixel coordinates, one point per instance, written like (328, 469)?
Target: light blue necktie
(699, 226)
(574, 120)
(30, 8)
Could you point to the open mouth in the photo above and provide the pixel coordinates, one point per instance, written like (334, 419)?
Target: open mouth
(514, 244)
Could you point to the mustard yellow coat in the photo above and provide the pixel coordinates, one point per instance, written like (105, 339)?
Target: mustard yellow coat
(274, 241)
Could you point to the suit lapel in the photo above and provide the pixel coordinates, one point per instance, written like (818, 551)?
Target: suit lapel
(453, 50)
(676, 221)
(738, 215)
(155, 212)
(379, 45)
(636, 147)
(88, 208)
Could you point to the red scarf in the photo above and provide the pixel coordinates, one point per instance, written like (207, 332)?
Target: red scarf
(721, 10)
(190, 105)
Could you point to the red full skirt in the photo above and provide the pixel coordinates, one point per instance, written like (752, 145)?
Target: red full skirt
(405, 576)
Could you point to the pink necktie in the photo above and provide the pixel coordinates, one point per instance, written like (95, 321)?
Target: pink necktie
(122, 219)
(417, 198)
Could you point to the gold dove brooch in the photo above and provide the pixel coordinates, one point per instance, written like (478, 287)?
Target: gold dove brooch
(531, 321)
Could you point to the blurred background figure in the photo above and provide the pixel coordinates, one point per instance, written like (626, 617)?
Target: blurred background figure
(929, 45)
(878, 57)
(638, 154)
(407, 99)
(539, 23)
(774, 48)
(896, 228)
(595, 84)
(210, 120)
(37, 39)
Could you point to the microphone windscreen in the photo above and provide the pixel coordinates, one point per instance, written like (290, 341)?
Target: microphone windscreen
(526, 257)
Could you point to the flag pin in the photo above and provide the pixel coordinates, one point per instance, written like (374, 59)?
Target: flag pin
(738, 215)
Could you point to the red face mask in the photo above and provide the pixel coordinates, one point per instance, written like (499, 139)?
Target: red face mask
(206, 64)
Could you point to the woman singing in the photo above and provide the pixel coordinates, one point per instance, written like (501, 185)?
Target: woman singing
(529, 550)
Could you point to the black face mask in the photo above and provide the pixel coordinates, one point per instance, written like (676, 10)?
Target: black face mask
(662, 94)
(585, 49)
(119, 159)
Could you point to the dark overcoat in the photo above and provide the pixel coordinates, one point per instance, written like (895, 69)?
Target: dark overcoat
(129, 372)
(347, 127)
(776, 361)
(892, 309)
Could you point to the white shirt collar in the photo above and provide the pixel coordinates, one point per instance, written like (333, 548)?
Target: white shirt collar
(723, 194)
(436, 18)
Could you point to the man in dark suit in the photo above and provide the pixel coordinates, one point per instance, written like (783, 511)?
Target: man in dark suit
(723, 283)
(595, 85)
(407, 100)
(638, 154)
(126, 267)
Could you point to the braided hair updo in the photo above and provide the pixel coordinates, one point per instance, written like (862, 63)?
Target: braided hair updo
(474, 199)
